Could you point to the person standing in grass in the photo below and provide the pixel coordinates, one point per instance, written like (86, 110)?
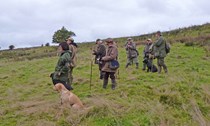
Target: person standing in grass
(61, 70)
(132, 53)
(160, 52)
(73, 48)
(99, 53)
(147, 52)
(111, 54)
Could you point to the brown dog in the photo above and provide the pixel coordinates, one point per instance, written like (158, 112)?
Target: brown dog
(67, 97)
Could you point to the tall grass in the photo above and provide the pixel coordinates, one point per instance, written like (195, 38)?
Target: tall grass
(146, 99)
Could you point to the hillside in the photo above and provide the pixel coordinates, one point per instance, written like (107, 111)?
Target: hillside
(180, 98)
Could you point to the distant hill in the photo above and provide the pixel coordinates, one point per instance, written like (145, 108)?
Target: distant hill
(192, 35)
(198, 34)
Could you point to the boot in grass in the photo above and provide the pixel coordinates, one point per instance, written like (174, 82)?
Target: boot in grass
(113, 84)
(105, 83)
(159, 69)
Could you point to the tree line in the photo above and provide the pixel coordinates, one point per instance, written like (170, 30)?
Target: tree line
(59, 36)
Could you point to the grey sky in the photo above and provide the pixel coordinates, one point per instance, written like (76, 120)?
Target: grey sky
(26, 23)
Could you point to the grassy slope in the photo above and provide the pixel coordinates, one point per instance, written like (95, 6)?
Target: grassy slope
(179, 98)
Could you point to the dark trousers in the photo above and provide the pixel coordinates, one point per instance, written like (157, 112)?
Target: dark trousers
(106, 77)
(100, 66)
(109, 74)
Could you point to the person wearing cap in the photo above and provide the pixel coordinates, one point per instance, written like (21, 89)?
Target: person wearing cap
(160, 52)
(111, 54)
(73, 49)
(99, 52)
(61, 70)
(132, 53)
(147, 52)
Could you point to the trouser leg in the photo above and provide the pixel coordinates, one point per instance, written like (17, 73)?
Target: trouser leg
(137, 65)
(70, 76)
(105, 81)
(128, 62)
(135, 60)
(112, 76)
(162, 63)
(159, 65)
(144, 66)
(101, 75)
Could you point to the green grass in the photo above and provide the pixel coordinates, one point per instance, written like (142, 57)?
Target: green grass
(141, 99)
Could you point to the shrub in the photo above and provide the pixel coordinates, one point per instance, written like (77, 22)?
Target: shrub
(47, 44)
(11, 47)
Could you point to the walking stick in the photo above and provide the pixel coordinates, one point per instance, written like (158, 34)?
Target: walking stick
(118, 71)
(91, 71)
(91, 68)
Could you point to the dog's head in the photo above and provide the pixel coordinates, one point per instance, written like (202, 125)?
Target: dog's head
(145, 61)
(59, 87)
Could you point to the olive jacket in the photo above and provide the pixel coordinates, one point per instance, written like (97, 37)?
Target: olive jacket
(159, 47)
(62, 67)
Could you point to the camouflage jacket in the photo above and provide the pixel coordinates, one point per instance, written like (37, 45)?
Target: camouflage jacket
(159, 47)
(131, 50)
(147, 50)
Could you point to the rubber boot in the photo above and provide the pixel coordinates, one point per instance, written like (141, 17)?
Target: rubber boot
(113, 84)
(105, 83)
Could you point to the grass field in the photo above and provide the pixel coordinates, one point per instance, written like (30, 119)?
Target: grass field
(180, 98)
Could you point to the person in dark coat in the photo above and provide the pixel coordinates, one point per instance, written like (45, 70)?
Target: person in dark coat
(99, 52)
(61, 70)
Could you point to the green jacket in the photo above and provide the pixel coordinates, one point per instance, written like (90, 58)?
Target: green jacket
(62, 67)
(159, 48)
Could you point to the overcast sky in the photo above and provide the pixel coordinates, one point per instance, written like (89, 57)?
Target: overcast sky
(26, 23)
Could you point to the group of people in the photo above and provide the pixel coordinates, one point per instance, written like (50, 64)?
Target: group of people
(67, 61)
(151, 51)
(104, 55)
